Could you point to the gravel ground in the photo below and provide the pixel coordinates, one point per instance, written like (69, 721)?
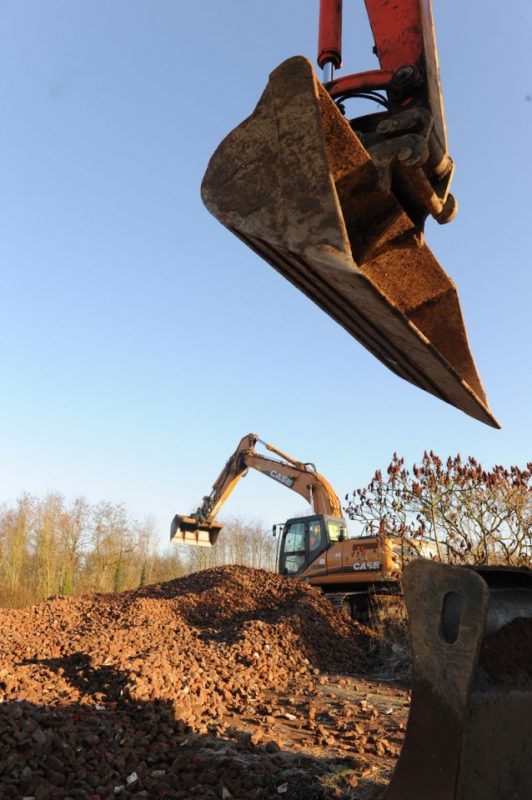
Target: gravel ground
(228, 683)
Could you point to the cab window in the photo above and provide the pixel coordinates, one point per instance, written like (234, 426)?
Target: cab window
(336, 530)
(314, 537)
(294, 548)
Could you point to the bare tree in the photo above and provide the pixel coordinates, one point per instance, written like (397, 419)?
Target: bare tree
(15, 543)
(144, 542)
(46, 549)
(472, 515)
(73, 537)
(108, 545)
(241, 542)
(167, 566)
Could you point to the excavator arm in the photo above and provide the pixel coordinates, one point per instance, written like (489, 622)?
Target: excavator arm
(202, 528)
(338, 205)
(407, 140)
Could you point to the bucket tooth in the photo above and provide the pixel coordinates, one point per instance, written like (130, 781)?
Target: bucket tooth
(297, 186)
(469, 732)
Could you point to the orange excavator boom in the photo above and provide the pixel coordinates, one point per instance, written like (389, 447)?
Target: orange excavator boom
(202, 527)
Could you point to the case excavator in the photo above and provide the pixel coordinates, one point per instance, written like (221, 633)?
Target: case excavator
(315, 548)
(338, 205)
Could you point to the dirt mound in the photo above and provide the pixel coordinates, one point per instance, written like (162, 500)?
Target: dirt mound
(108, 695)
(211, 639)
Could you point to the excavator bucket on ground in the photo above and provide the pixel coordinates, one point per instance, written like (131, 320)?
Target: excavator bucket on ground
(469, 734)
(296, 184)
(188, 530)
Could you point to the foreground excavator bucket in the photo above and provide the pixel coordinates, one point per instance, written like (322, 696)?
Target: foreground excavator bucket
(295, 183)
(469, 734)
(187, 530)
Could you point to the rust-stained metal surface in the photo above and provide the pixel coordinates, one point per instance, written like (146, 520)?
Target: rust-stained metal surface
(297, 186)
(469, 734)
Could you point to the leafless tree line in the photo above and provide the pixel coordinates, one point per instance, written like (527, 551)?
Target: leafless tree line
(51, 547)
(240, 542)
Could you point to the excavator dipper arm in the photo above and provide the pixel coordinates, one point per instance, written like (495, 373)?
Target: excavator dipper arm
(412, 128)
(201, 528)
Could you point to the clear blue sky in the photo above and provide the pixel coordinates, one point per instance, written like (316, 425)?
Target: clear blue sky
(140, 340)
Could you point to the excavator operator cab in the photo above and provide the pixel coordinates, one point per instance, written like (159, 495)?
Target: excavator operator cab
(304, 538)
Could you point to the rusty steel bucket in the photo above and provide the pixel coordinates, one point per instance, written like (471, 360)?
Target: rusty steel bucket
(294, 182)
(469, 734)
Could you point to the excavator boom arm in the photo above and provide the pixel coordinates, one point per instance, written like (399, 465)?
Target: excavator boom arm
(202, 527)
(306, 482)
